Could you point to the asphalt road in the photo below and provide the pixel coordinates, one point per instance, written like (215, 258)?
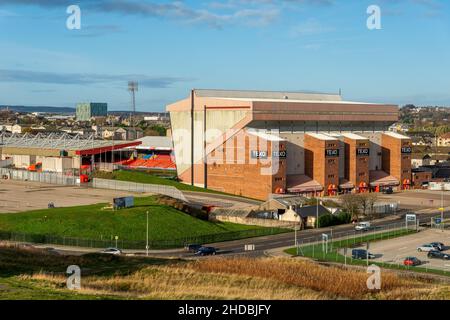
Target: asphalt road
(262, 244)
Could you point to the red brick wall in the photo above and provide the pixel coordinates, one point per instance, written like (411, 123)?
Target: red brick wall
(394, 162)
(323, 169)
(246, 179)
(356, 166)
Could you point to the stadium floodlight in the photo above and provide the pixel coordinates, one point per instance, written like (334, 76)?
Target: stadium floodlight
(132, 88)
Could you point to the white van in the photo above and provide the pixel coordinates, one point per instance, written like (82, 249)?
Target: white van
(362, 226)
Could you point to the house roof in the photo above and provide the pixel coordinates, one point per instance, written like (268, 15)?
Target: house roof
(381, 178)
(311, 211)
(155, 143)
(291, 201)
(302, 183)
(396, 135)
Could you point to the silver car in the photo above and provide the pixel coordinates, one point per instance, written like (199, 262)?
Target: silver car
(426, 248)
(113, 251)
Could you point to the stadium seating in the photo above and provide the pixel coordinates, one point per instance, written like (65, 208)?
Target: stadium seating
(161, 161)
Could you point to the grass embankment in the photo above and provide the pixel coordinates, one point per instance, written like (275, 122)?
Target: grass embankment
(35, 274)
(335, 251)
(143, 177)
(100, 222)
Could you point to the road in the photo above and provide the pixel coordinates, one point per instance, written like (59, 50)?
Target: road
(263, 244)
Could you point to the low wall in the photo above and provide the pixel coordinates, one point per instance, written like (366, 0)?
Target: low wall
(252, 221)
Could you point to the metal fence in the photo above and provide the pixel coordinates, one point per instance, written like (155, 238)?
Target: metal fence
(138, 187)
(6, 163)
(43, 177)
(137, 244)
(337, 247)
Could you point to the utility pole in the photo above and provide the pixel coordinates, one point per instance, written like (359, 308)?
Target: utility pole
(442, 207)
(146, 246)
(317, 214)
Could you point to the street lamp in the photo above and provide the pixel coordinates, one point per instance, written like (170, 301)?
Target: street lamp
(146, 246)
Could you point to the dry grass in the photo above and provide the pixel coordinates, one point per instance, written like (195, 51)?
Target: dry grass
(242, 278)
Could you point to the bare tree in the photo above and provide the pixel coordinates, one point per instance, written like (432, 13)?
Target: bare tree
(367, 203)
(351, 203)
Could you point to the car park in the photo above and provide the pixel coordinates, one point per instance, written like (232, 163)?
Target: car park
(438, 245)
(362, 254)
(436, 254)
(426, 248)
(113, 251)
(411, 262)
(206, 251)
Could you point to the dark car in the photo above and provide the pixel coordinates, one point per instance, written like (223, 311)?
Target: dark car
(192, 247)
(388, 191)
(411, 261)
(438, 245)
(362, 254)
(206, 251)
(435, 254)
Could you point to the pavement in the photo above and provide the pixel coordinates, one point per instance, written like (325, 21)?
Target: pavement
(396, 250)
(19, 196)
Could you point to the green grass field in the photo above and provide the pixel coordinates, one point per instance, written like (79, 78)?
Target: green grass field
(100, 223)
(143, 177)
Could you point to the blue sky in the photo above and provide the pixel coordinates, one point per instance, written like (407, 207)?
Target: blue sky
(173, 46)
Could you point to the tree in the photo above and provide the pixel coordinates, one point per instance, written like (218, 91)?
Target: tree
(351, 203)
(367, 202)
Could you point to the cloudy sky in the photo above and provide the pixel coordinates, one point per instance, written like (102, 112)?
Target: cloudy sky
(171, 47)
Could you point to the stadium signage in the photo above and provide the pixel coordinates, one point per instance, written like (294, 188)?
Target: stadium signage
(362, 151)
(406, 150)
(256, 154)
(331, 152)
(279, 154)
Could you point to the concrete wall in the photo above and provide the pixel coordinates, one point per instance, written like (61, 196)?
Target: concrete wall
(217, 123)
(253, 221)
(23, 161)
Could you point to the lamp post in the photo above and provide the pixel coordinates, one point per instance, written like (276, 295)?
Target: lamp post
(146, 246)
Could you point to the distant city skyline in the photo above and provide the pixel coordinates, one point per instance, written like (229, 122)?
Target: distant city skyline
(170, 47)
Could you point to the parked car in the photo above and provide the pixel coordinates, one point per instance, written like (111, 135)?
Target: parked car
(206, 251)
(362, 254)
(411, 261)
(438, 245)
(362, 226)
(388, 191)
(426, 247)
(192, 247)
(113, 251)
(436, 254)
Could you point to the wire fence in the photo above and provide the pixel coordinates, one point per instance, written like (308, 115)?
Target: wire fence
(338, 247)
(136, 244)
(138, 187)
(43, 177)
